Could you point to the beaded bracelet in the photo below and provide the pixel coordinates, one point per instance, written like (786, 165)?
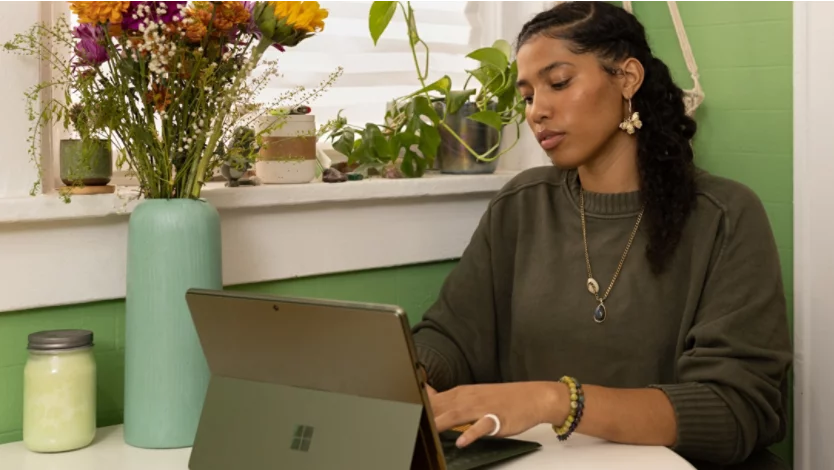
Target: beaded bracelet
(577, 406)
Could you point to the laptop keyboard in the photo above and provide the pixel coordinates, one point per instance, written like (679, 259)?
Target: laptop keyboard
(480, 453)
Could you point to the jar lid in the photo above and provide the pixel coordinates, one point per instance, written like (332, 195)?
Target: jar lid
(60, 339)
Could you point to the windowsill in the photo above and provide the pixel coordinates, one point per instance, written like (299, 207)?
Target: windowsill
(50, 208)
(59, 254)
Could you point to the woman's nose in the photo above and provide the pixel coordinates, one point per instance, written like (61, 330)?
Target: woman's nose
(539, 110)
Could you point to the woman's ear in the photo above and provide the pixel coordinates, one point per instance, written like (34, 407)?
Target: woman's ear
(633, 74)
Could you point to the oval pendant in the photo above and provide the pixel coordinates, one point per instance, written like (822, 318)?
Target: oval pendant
(593, 286)
(600, 313)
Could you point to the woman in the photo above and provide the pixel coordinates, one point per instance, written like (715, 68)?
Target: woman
(652, 286)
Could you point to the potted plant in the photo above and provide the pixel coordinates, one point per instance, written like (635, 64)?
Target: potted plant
(461, 127)
(86, 161)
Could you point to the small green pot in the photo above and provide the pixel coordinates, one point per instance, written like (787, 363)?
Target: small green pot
(86, 162)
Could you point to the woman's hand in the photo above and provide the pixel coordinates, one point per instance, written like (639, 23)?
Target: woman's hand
(519, 406)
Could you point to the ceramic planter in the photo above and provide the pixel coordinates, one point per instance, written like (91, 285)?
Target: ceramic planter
(86, 162)
(288, 154)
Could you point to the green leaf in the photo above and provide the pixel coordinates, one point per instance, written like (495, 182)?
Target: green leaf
(490, 118)
(429, 142)
(485, 75)
(509, 96)
(379, 18)
(413, 166)
(420, 106)
(492, 56)
(382, 148)
(503, 46)
(344, 144)
(442, 85)
(456, 99)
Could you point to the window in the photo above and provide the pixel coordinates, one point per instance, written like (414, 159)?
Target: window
(372, 75)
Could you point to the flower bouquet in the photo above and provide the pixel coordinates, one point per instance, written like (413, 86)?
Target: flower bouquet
(162, 79)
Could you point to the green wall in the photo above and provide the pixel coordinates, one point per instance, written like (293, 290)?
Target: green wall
(744, 52)
(412, 287)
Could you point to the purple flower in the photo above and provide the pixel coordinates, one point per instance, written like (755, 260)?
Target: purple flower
(91, 49)
(140, 13)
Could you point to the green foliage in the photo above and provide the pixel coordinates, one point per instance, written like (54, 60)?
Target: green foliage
(381, 14)
(411, 133)
(410, 138)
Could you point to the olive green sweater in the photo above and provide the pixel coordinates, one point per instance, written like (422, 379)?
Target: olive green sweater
(711, 332)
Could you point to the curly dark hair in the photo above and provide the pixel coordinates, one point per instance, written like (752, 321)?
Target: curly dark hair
(664, 151)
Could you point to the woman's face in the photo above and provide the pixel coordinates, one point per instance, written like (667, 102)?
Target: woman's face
(574, 106)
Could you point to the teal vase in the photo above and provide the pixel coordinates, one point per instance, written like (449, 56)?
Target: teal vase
(173, 245)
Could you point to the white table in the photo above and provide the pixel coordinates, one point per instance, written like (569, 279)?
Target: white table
(109, 452)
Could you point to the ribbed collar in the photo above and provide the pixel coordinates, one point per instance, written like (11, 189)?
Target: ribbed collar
(603, 204)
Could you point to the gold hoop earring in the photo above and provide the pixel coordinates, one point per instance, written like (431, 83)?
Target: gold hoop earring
(632, 121)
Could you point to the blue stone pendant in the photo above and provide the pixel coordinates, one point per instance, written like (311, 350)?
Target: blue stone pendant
(600, 313)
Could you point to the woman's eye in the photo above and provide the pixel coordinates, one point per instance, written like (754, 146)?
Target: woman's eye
(528, 99)
(560, 85)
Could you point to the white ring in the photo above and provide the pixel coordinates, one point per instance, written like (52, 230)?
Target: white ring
(496, 421)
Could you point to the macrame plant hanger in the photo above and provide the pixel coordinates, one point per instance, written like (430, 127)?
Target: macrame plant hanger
(693, 97)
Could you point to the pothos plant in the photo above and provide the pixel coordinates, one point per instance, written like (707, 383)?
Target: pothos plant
(410, 135)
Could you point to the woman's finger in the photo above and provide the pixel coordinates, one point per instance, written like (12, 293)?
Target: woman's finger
(446, 420)
(487, 425)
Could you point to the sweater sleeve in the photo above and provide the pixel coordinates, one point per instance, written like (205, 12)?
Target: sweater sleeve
(730, 398)
(455, 341)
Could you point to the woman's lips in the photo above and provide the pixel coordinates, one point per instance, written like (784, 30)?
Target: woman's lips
(549, 140)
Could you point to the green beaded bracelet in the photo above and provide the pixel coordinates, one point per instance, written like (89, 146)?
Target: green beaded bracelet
(577, 406)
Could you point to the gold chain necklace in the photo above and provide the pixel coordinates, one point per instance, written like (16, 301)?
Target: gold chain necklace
(600, 311)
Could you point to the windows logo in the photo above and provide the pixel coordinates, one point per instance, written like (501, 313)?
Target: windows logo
(302, 437)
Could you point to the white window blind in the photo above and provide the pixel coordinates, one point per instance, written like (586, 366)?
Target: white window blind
(374, 75)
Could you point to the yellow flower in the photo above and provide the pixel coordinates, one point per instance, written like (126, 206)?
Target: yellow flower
(304, 16)
(99, 12)
(313, 17)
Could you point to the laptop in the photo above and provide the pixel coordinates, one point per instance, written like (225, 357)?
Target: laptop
(311, 384)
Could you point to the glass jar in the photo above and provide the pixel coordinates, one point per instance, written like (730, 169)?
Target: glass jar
(59, 391)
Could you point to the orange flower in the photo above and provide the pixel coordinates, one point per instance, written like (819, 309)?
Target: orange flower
(197, 29)
(115, 30)
(227, 15)
(99, 12)
(159, 96)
